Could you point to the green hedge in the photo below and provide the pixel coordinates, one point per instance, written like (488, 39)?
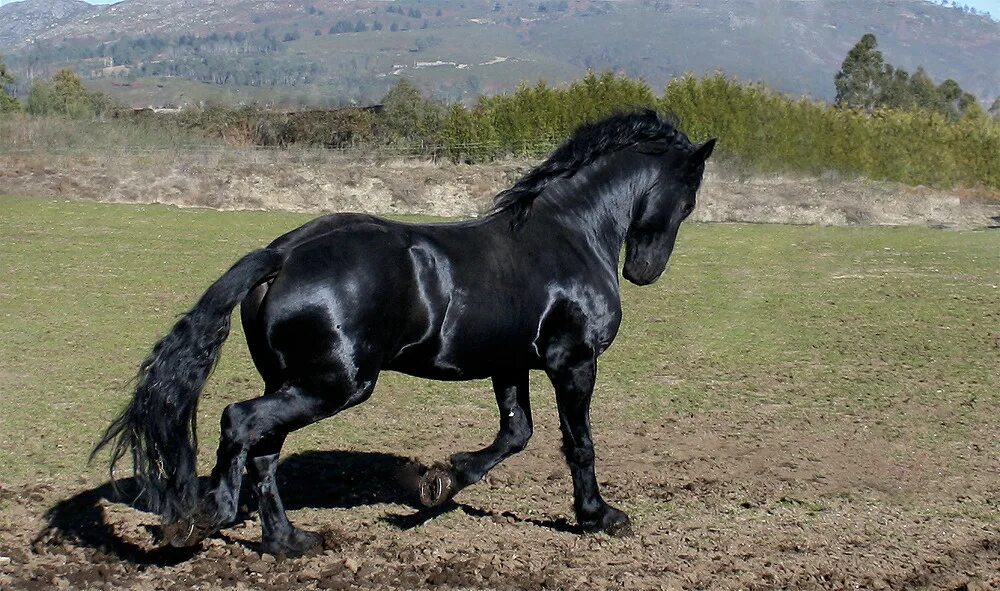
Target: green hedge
(763, 130)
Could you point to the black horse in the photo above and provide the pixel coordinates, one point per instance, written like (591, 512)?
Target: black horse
(326, 307)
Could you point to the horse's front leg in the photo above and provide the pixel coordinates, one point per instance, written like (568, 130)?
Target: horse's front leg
(440, 483)
(574, 385)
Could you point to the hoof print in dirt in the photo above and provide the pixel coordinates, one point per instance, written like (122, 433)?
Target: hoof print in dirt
(436, 486)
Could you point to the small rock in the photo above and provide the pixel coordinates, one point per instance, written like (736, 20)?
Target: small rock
(258, 567)
(352, 564)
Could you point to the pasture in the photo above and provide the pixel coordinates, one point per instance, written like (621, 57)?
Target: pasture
(789, 406)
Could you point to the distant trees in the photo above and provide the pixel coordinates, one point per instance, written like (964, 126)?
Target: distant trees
(7, 103)
(65, 95)
(529, 121)
(758, 130)
(865, 81)
(409, 116)
(425, 43)
(342, 26)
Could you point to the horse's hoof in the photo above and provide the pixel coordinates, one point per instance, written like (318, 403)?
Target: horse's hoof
(437, 485)
(181, 533)
(189, 531)
(617, 525)
(299, 543)
(611, 521)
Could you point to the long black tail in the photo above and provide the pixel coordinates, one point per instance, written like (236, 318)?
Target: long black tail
(158, 426)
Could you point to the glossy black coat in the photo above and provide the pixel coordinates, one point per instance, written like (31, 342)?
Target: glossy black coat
(330, 305)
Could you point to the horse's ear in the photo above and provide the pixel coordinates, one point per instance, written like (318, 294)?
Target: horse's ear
(704, 151)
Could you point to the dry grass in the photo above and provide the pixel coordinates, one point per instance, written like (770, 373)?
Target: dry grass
(316, 180)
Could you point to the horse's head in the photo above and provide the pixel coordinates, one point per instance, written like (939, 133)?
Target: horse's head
(657, 214)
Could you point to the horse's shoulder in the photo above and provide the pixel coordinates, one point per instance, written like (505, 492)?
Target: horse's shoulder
(582, 317)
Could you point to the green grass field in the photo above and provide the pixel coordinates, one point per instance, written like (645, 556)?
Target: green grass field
(858, 320)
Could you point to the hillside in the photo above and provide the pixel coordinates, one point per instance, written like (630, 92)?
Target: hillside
(159, 52)
(23, 21)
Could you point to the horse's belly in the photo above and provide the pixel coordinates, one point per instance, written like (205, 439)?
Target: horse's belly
(466, 357)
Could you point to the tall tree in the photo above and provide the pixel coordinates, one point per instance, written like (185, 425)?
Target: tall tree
(925, 94)
(896, 89)
(862, 76)
(866, 82)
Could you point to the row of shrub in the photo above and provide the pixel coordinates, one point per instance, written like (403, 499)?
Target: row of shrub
(761, 130)
(772, 132)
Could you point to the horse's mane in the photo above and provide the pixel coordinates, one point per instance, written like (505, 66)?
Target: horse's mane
(587, 144)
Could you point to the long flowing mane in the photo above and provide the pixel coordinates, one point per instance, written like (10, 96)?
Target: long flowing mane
(587, 144)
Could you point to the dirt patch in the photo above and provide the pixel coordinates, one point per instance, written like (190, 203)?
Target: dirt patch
(319, 182)
(753, 499)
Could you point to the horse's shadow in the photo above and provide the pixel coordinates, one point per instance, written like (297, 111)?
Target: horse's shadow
(316, 479)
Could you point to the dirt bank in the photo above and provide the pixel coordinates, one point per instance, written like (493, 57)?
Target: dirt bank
(323, 182)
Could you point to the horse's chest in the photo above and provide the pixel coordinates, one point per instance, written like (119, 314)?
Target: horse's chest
(579, 316)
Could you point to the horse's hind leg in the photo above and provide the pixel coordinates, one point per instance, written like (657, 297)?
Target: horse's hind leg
(279, 537)
(442, 482)
(255, 428)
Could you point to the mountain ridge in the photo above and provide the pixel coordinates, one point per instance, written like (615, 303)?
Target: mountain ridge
(301, 50)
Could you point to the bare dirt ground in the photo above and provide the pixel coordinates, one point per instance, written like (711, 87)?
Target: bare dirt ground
(869, 457)
(763, 498)
(315, 182)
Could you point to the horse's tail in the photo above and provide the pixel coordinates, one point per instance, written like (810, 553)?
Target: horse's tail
(159, 425)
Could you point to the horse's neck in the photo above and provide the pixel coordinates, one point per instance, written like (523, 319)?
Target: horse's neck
(595, 206)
